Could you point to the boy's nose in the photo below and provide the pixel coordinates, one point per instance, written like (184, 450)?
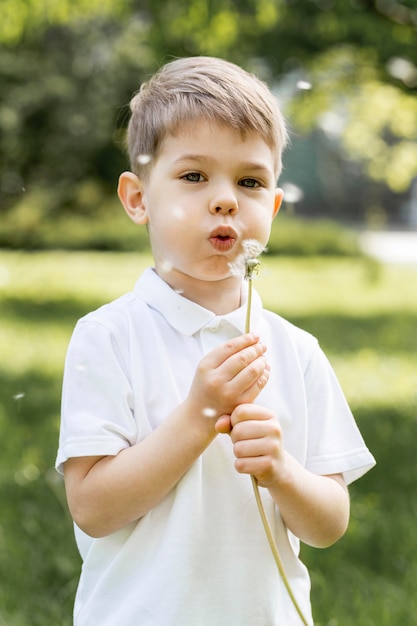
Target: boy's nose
(225, 203)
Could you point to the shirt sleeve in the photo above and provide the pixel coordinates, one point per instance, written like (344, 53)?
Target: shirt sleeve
(335, 444)
(97, 401)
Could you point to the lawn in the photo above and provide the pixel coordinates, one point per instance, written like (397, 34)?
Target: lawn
(365, 317)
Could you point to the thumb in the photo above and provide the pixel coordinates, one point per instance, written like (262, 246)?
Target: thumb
(223, 425)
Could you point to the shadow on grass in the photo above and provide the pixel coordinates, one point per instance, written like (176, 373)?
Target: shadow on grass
(389, 333)
(394, 332)
(369, 575)
(65, 310)
(371, 572)
(39, 563)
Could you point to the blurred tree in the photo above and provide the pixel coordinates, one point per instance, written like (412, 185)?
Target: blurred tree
(62, 91)
(22, 17)
(347, 67)
(68, 67)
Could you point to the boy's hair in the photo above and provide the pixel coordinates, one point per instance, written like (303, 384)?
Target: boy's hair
(201, 87)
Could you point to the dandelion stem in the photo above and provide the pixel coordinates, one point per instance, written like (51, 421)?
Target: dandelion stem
(250, 268)
(248, 306)
(274, 549)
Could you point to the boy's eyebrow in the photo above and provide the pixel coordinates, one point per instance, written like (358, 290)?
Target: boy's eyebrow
(252, 165)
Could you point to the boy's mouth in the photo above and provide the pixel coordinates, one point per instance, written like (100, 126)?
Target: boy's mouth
(223, 238)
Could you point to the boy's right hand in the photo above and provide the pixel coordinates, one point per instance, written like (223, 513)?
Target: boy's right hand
(107, 492)
(231, 374)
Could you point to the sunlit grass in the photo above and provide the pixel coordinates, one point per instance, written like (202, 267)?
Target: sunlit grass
(288, 285)
(372, 378)
(80, 275)
(364, 316)
(43, 294)
(356, 287)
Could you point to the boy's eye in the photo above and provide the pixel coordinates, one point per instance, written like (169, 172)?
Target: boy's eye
(193, 177)
(249, 182)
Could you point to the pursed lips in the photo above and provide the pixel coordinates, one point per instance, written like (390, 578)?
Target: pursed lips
(223, 238)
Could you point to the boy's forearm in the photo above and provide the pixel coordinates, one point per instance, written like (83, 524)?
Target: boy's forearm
(315, 508)
(117, 490)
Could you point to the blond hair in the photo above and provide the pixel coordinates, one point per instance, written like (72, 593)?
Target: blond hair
(201, 87)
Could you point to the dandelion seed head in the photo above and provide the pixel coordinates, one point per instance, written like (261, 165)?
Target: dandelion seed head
(178, 213)
(304, 85)
(237, 268)
(252, 248)
(166, 265)
(251, 267)
(246, 264)
(144, 159)
(19, 396)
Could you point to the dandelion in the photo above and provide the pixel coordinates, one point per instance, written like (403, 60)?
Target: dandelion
(247, 265)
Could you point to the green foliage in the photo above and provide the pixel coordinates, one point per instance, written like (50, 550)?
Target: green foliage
(35, 225)
(302, 237)
(375, 122)
(22, 16)
(69, 68)
(365, 318)
(59, 107)
(99, 224)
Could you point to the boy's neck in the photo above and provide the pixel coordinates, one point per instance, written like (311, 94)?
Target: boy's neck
(220, 297)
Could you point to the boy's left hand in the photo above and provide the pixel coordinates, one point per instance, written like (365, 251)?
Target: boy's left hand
(257, 443)
(314, 508)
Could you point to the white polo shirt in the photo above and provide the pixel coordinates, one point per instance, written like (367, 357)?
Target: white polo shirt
(200, 557)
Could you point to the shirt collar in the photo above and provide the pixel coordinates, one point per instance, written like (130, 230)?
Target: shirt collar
(186, 316)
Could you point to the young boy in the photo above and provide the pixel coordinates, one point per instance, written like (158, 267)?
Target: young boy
(169, 405)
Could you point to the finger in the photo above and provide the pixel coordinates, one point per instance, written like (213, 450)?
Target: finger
(247, 383)
(244, 359)
(223, 425)
(255, 447)
(247, 412)
(222, 353)
(249, 430)
(262, 467)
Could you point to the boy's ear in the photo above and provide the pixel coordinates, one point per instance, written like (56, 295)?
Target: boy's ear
(130, 192)
(279, 195)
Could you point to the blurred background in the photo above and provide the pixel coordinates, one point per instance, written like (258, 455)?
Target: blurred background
(342, 259)
(345, 72)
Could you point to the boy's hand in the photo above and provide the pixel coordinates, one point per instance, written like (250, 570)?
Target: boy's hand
(232, 374)
(257, 443)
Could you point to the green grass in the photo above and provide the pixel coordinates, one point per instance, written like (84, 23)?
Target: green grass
(365, 317)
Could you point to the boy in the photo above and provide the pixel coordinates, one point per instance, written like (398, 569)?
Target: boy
(166, 520)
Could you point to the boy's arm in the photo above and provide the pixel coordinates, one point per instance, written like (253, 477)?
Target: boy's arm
(106, 493)
(315, 508)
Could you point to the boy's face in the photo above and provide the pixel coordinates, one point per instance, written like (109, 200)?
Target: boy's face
(209, 189)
